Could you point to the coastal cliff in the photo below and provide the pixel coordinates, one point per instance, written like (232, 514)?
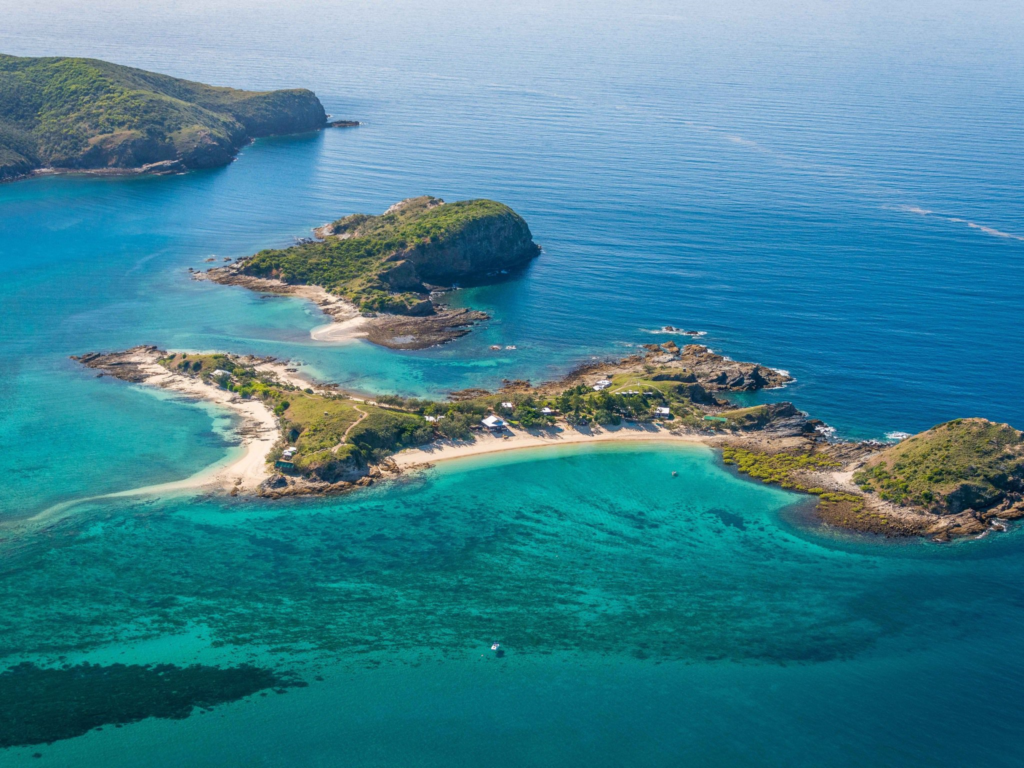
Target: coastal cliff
(67, 114)
(391, 268)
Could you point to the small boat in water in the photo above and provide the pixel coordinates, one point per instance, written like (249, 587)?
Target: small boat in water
(495, 646)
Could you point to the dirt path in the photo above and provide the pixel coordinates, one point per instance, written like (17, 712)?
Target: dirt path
(353, 425)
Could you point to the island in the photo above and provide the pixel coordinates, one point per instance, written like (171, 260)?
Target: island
(961, 478)
(382, 277)
(86, 115)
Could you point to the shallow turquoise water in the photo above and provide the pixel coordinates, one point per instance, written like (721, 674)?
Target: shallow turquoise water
(834, 190)
(758, 174)
(648, 620)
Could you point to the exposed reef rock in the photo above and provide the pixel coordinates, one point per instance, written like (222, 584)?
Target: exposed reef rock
(439, 327)
(128, 365)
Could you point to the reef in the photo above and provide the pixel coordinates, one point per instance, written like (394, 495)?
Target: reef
(41, 705)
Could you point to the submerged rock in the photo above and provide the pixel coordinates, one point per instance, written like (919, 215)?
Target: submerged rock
(42, 705)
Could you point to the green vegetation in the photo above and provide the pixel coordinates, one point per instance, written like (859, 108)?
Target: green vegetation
(786, 469)
(962, 464)
(332, 433)
(383, 263)
(637, 399)
(85, 113)
(384, 432)
(743, 417)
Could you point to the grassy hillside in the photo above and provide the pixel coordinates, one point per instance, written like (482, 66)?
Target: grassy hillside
(333, 433)
(384, 263)
(87, 114)
(963, 464)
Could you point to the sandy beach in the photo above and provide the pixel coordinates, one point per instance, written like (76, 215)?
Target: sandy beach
(259, 431)
(561, 435)
(347, 323)
(341, 331)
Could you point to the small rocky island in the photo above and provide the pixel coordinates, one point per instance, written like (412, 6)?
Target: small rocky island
(381, 277)
(962, 478)
(86, 115)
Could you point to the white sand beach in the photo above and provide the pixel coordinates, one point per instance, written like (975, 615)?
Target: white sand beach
(561, 435)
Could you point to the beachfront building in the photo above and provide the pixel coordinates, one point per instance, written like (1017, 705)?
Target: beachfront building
(662, 410)
(494, 423)
(602, 384)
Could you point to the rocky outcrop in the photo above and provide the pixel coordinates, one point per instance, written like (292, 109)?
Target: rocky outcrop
(129, 365)
(965, 466)
(695, 363)
(479, 250)
(430, 330)
(392, 268)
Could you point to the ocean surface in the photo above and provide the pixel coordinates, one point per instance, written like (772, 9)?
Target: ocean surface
(834, 189)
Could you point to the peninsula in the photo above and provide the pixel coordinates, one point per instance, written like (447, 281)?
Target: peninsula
(381, 277)
(965, 477)
(67, 114)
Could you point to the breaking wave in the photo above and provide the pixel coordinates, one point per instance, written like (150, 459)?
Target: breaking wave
(672, 331)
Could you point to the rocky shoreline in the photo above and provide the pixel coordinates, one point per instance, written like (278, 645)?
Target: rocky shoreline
(775, 442)
(407, 332)
(173, 167)
(381, 278)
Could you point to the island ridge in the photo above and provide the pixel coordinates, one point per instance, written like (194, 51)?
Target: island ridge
(67, 114)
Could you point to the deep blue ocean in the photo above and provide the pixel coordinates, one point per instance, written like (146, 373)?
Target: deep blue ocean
(833, 189)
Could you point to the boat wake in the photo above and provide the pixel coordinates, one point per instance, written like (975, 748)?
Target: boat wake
(956, 220)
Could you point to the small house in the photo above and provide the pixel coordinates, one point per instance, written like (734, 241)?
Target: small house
(547, 411)
(661, 410)
(508, 406)
(494, 423)
(602, 384)
(433, 419)
(221, 372)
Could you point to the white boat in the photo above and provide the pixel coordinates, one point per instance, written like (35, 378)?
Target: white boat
(495, 646)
